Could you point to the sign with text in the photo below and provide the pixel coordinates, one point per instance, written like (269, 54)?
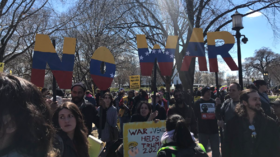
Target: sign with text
(1, 67)
(142, 139)
(134, 82)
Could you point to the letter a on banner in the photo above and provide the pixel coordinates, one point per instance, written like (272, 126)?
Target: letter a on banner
(44, 53)
(102, 81)
(223, 50)
(195, 49)
(164, 58)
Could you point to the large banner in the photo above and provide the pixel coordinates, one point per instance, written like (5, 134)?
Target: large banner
(142, 139)
(134, 82)
(1, 67)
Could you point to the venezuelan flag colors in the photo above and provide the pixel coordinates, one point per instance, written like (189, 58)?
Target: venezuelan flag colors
(195, 49)
(102, 81)
(44, 53)
(164, 58)
(223, 50)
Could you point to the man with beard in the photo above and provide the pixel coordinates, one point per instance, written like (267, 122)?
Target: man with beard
(89, 112)
(251, 133)
(183, 110)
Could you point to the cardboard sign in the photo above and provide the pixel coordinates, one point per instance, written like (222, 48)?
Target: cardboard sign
(207, 110)
(95, 146)
(142, 139)
(134, 82)
(2, 66)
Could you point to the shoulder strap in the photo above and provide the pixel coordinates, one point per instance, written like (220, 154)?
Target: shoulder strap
(168, 148)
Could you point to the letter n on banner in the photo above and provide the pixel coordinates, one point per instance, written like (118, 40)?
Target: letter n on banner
(195, 49)
(164, 58)
(223, 50)
(44, 53)
(102, 81)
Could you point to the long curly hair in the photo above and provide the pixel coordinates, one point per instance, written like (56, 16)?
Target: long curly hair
(80, 133)
(25, 105)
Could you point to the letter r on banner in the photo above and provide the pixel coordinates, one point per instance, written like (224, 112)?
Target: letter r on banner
(164, 58)
(44, 53)
(223, 50)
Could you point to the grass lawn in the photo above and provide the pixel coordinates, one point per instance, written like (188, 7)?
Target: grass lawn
(272, 98)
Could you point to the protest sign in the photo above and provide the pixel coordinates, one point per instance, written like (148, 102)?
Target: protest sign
(142, 139)
(207, 110)
(95, 146)
(134, 82)
(1, 67)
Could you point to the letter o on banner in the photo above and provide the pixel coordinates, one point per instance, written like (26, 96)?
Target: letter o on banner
(102, 81)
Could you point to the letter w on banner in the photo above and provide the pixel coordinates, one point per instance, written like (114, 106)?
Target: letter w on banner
(164, 58)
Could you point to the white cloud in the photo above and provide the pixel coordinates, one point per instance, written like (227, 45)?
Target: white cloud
(255, 14)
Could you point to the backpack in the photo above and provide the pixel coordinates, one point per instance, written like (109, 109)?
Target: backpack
(199, 150)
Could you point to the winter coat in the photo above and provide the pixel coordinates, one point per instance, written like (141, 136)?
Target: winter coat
(240, 143)
(111, 121)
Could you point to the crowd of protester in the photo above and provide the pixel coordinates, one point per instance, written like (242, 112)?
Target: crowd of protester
(245, 123)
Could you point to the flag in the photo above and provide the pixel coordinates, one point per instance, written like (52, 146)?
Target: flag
(195, 49)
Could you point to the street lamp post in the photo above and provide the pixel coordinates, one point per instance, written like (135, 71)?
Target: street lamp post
(237, 25)
(265, 76)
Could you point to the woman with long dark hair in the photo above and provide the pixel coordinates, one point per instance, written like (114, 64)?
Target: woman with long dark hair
(25, 120)
(68, 120)
(178, 141)
(108, 119)
(144, 113)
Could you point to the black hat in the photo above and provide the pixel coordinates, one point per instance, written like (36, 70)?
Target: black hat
(259, 83)
(204, 90)
(79, 84)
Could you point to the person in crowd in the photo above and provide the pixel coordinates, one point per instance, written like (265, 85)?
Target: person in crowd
(142, 96)
(251, 132)
(227, 110)
(127, 109)
(144, 113)
(97, 96)
(136, 93)
(183, 110)
(161, 111)
(59, 97)
(108, 119)
(177, 140)
(25, 120)
(262, 89)
(45, 92)
(88, 110)
(207, 122)
(71, 130)
(90, 98)
(118, 99)
(213, 96)
(163, 102)
(276, 107)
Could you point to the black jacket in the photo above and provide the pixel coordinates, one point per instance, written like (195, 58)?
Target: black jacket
(240, 143)
(90, 115)
(161, 112)
(138, 118)
(66, 146)
(205, 114)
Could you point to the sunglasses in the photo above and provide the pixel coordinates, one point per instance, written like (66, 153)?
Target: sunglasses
(252, 128)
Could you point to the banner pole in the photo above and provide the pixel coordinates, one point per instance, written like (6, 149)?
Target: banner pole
(155, 86)
(218, 110)
(54, 80)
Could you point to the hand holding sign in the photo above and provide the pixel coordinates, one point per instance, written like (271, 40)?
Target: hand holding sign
(153, 115)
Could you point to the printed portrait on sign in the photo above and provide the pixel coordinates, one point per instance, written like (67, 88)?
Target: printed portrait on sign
(207, 110)
(133, 150)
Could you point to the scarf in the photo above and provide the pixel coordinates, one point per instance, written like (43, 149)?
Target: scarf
(167, 137)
